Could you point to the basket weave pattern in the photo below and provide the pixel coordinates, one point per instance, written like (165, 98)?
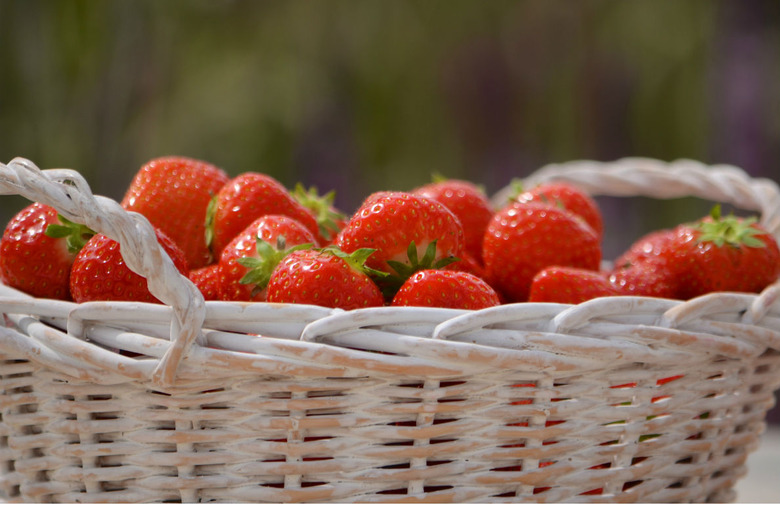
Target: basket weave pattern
(616, 399)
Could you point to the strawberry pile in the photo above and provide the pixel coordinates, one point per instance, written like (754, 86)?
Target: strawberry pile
(248, 238)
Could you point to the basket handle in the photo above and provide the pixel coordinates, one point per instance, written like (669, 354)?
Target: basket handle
(676, 179)
(69, 193)
(665, 180)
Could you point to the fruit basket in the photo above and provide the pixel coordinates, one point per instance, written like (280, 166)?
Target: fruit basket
(612, 400)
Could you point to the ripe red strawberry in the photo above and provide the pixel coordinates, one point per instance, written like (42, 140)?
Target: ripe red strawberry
(390, 284)
(99, 272)
(329, 218)
(727, 253)
(646, 269)
(173, 193)
(327, 277)
(522, 239)
(646, 279)
(37, 250)
(447, 289)
(247, 197)
(207, 280)
(249, 259)
(469, 204)
(569, 285)
(567, 196)
(467, 263)
(390, 221)
(649, 247)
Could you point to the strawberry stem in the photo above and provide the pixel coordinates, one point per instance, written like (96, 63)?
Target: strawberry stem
(516, 189)
(75, 234)
(211, 211)
(403, 271)
(729, 230)
(322, 206)
(357, 260)
(259, 269)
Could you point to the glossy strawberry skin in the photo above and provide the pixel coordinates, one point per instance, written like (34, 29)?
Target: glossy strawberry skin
(31, 261)
(646, 279)
(570, 198)
(704, 267)
(467, 263)
(99, 272)
(206, 279)
(249, 196)
(446, 289)
(647, 268)
(648, 248)
(268, 228)
(173, 193)
(389, 221)
(569, 285)
(522, 239)
(320, 278)
(470, 206)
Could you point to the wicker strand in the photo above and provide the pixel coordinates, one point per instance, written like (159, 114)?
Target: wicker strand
(653, 178)
(68, 192)
(680, 178)
(615, 399)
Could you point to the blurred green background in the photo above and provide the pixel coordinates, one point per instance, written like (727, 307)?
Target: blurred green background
(359, 96)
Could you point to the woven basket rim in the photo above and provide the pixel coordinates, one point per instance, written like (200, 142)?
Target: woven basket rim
(185, 325)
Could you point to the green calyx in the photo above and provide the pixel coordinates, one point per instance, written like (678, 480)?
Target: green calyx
(403, 271)
(729, 230)
(260, 268)
(356, 259)
(516, 188)
(75, 234)
(211, 212)
(322, 206)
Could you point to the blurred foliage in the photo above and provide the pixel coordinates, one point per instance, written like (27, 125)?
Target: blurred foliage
(364, 95)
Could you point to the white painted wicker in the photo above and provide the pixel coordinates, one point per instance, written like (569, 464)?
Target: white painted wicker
(616, 399)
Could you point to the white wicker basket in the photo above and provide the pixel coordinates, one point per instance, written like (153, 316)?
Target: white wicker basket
(616, 399)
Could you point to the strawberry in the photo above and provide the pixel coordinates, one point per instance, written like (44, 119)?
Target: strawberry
(329, 218)
(645, 269)
(99, 272)
(469, 204)
(718, 253)
(249, 259)
(567, 196)
(649, 247)
(569, 285)
(403, 270)
(389, 221)
(173, 193)
(466, 263)
(523, 238)
(37, 250)
(447, 289)
(326, 277)
(247, 197)
(646, 279)
(206, 279)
